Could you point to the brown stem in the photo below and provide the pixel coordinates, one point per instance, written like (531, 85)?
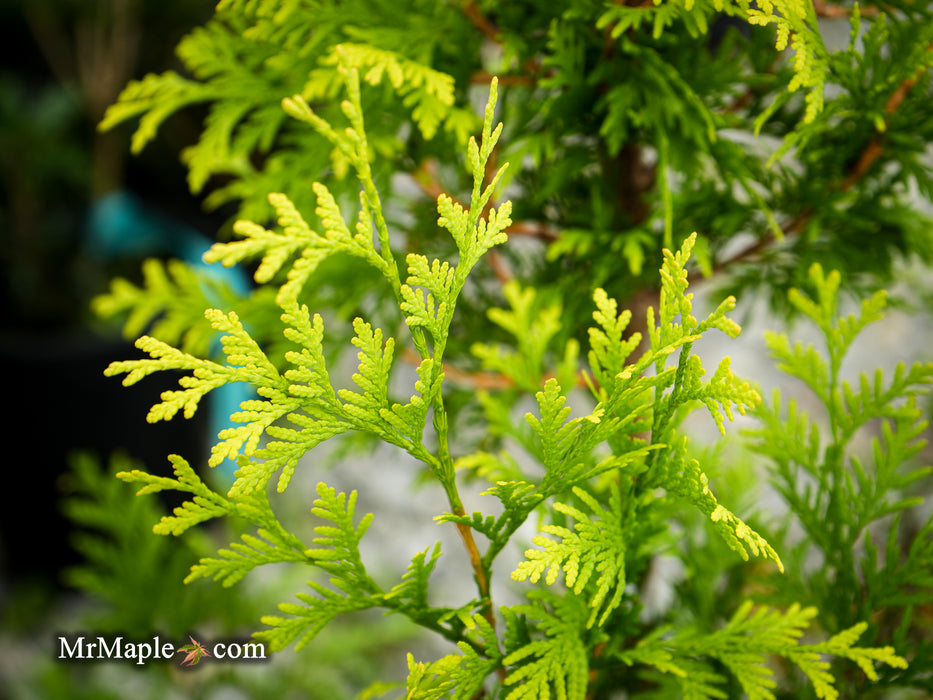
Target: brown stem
(480, 21)
(474, 380)
(533, 229)
(823, 9)
(479, 575)
(476, 562)
(482, 77)
(594, 674)
(499, 267)
(874, 149)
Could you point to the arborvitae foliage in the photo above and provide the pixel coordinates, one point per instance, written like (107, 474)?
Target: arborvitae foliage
(612, 483)
(113, 535)
(136, 586)
(801, 125)
(863, 549)
(624, 125)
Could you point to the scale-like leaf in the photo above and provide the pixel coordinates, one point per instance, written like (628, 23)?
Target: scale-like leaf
(595, 548)
(557, 663)
(271, 544)
(205, 505)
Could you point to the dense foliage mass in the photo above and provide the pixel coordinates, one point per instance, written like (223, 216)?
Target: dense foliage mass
(624, 126)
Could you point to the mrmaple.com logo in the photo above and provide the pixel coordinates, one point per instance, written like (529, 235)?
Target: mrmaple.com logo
(100, 648)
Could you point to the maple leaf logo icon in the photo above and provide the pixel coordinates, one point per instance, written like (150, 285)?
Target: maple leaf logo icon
(196, 652)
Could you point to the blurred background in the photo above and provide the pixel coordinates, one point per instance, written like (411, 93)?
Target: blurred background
(75, 210)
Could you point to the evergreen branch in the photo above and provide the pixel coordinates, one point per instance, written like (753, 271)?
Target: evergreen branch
(533, 328)
(172, 298)
(557, 662)
(338, 553)
(848, 410)
(744, 644)
(566, 445)
(429, 310)
(474, 236)
(409, 419)
(156, 97)
(725, 390)
(900, 442)
(608, 352)
(308, 620)
(308, 378)
(805, 363)
(258, 416)
(519, 499)
(874, 149)
(275, 248)
(213, 153)
(370, 410)
(246, 363)
(372, 377)
(687, 480)
(296, 239)
(430, 93)
(617, 19)
(553, 428)
(132, 577)
(205, 505)
(410, 598)
(353, 145)
(412, 591)
(597, 545)
(311, 406)
(271, 544)
(894, 579)
(858, 171)
(242, 557)
(206, 375)
(842, 645)
(796, 25)
(459, 677)
(435, 680)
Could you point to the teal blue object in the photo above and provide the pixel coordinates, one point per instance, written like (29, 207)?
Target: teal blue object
(120, 225)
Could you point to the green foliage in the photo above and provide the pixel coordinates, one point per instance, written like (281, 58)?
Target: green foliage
(742, 647)
(342, 560)
(843, 498)
(598, 459)
(597, 545)
(133, 585)
(251, 55)
(135, 579)
(558, 661)
(625, 122)
(796, 24)
(549, 640)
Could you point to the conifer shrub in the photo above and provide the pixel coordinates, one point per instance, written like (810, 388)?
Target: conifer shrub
(516, 371)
